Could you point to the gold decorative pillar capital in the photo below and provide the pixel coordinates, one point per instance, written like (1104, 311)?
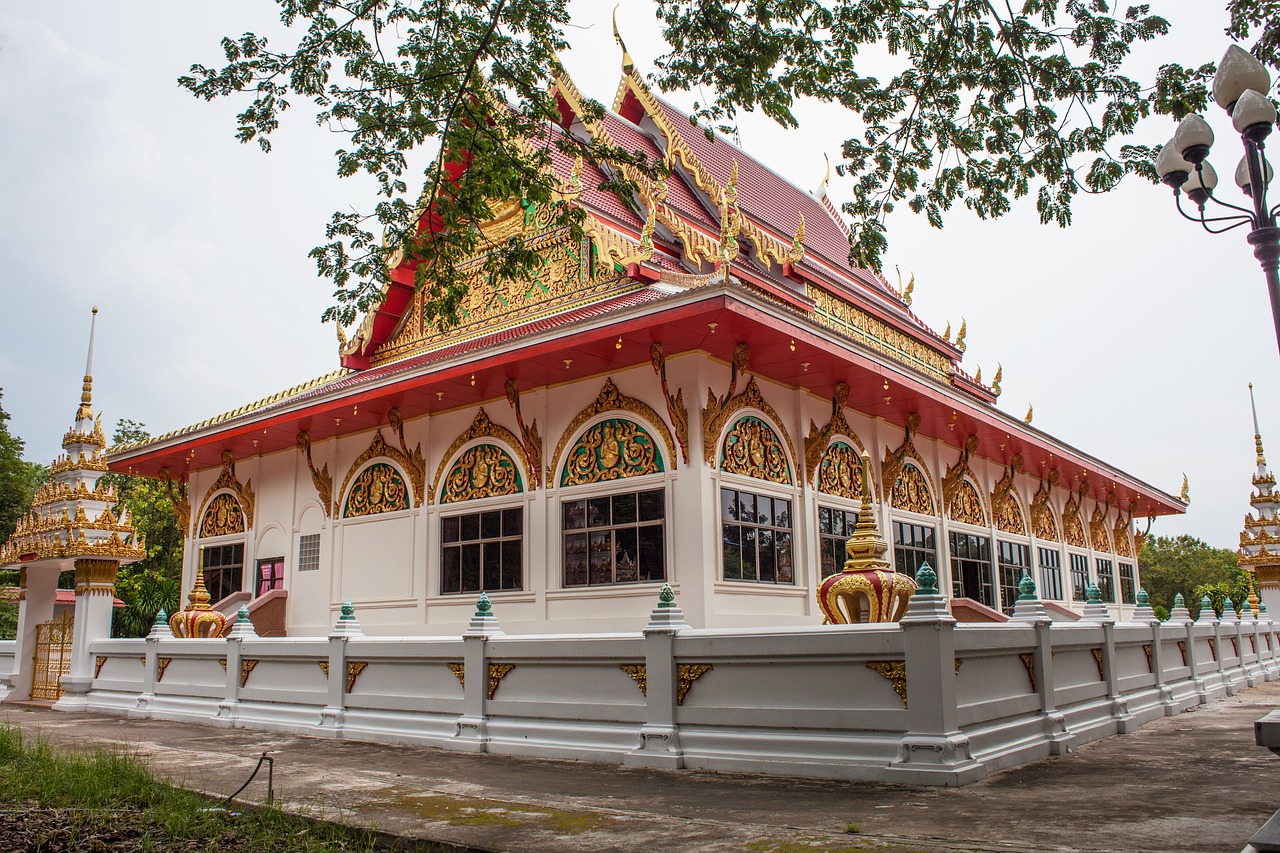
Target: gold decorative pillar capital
(96, 577)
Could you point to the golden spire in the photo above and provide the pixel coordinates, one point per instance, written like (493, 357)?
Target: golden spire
(977, 377)
(1027, 419)
(86, 396)
(1257, 433)
(946, 336)
(964, 330)
(866, 548)
(628, 65)
(995, 383)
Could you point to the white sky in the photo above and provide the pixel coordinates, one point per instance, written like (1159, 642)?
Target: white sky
(1132, 332)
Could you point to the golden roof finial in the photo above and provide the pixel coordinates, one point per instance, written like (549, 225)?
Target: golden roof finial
(995, 383)
(797, 242)
(977, 377)
(911, 286)
(946, 336)
(964, 330)
(1027, 418)
(1185, 494)
(86, 395)
(628, 65)
(826, 179)
(1257, 433)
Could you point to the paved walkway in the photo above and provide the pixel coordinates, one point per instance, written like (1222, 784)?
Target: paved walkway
(1194, 782)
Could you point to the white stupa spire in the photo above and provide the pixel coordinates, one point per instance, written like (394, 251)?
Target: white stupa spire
(85, 412)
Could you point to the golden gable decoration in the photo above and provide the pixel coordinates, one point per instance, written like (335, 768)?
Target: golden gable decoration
(1044, 524)
(1098, 536)
(1072, 529)
(819, 440)
(912, 493)
(894, 462)
(482, 471)
(1120, 535)
(492, 483)
(1005, 506)
(753, 449)
(611, 450)
(227, 480)
(966, 505)
(719, 410)
(378, 447)
(608, 400)
(840, 471)
(377, 489)
(222, 517)
(956, 473)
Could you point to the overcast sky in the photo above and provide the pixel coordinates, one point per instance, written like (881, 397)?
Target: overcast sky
(1133, 333)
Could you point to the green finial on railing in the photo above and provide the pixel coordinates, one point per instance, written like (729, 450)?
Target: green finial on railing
(484, 607)
(1179, 601)
(926, 580)
(243, 612)
(1246, 609)
(1206, 603)
(666, 596)
(162, 618)
(348, 612)
(1093, 595)
(1026, 587)
(1227, 605)
(1144, 600)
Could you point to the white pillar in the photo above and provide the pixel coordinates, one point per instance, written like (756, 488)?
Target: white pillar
(95, 597)
(36, 607)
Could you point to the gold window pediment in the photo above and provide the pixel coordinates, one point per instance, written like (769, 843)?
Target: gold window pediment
(1009, 516)
(227, 482)
(378, 488)
(647, 424)
(223, 516)
(912, 490)
(966, 505)
(500, 464)
(1099, 537)
(1044, 522)
(753, 448)
(400, 462)
(1120, 535)
(840, 471)
(1073, 529)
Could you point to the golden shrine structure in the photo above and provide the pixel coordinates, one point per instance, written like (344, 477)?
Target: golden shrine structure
(72, 525)
(682, 396)
(1259, 552)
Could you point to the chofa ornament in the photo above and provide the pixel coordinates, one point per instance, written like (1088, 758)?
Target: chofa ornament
(198, 619)
(867, 585)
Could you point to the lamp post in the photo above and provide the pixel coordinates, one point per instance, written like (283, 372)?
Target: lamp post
(1240, 87)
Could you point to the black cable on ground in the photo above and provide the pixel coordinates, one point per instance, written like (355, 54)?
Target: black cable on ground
(270, 762)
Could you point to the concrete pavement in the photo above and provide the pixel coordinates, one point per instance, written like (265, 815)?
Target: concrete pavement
(1194, 782)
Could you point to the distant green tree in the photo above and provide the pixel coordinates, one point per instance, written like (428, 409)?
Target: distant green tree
(1235, 586)
(1169, 565)
(154, 582)
(19, 480)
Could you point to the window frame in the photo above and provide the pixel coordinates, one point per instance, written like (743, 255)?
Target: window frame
(752, 486)
(205, 550)
(303, 564)
(987, 582)
(1108, 589)
(1077, 560)
(831, 504)
(1009, 591)
(276, 580)
(1050, 576)
(466, 509)
(914, 521)
(1129, 594)
(626, 485)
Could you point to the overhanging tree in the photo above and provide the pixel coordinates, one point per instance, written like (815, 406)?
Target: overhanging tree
(973, 102)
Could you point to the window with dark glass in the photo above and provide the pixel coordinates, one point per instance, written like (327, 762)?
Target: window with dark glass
(270, 575)
(1079, 576)
(1015, 558)
(1050, 573)
(482, 551)
(223, 570)
(835, 526)
(615, 539)
(913, 546)
(756, 535)
(1106, 581)
(309, 552)
(1128, 594)
(971, 574)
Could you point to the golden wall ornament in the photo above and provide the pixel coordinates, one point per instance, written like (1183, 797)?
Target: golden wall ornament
(720, 411)
(1140, 536)
(1097, 658)
(818, 440)
(481, 428)
(378, 447)
(1044, 522)
(891, 467)
(96, 577)
(247, 666)
(98, 663)
(912, 493)
(178, 496)
(414, 464)
(497, 672)
(482, 471)
(716, 412)
(459, 671)
(1029, 664)
(966, 505)
(1099, 538)
(839, 472)
(161, 665)
(322, 479)
(1005, 505)
(227, 480)
(1072, 528)
(896, 673)
(638, 674)
(222, 517)
(676, 409)
(686, 675)
(956, 473)
(532, 442)
(752, 449)
(611, 450)
(377, 489)
(1120, 535)
(610, 399)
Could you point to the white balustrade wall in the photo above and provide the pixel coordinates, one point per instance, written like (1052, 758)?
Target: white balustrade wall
(923, 701)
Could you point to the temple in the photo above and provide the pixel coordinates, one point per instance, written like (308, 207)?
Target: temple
(1261, 529)
(681, 396)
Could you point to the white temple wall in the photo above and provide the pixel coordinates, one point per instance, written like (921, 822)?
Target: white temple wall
(390, 564)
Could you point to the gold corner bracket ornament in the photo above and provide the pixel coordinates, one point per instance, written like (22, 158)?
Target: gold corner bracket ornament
(322, 479)
(532, 439)
(414, 462)
(819, 439)
(179, 497)
(676, 409)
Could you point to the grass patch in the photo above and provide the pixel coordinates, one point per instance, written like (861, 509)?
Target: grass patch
(109, 800)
